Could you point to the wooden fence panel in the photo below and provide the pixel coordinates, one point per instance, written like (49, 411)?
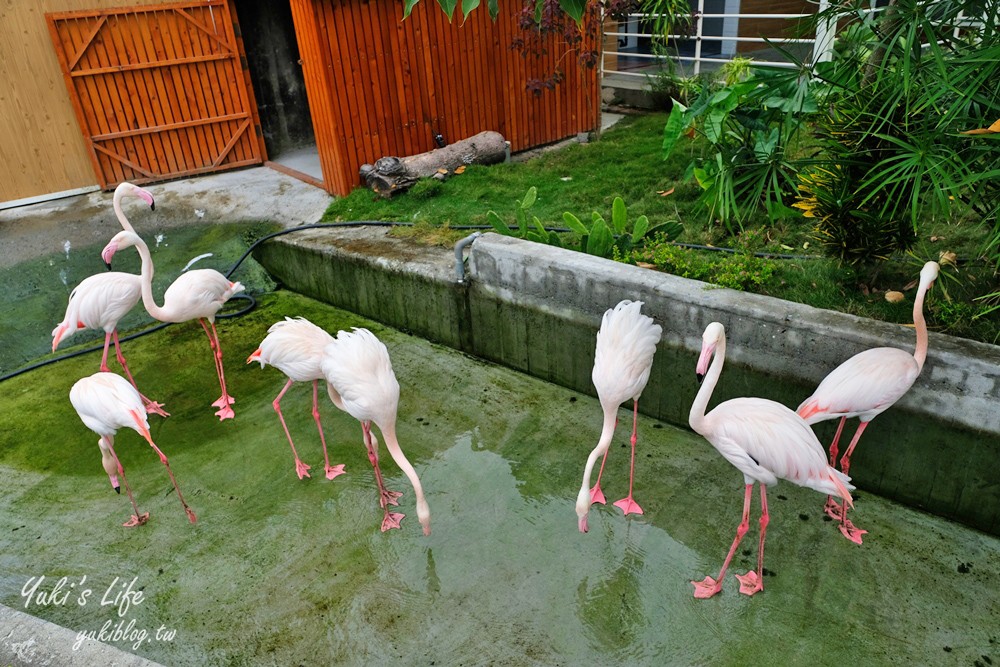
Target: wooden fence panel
(379, 85)
(159, 91)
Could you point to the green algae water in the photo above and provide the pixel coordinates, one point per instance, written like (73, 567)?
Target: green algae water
(282, 571)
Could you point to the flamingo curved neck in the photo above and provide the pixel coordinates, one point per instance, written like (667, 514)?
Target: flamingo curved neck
(116, 203)
(696, 418)
(147, 283)
(607, 432)
(920, 351)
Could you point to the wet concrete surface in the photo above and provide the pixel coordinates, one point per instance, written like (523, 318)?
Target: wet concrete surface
(282, 571)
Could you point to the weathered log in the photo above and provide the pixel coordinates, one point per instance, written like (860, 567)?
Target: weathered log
(392, 175)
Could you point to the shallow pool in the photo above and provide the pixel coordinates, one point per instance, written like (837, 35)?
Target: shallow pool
(285, 571)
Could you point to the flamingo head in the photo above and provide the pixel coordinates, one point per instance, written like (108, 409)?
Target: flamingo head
(424, 516)
(582, 509)
(123, 239)
(714, 333)
(929, 274)
(128, 189)
(110, 465)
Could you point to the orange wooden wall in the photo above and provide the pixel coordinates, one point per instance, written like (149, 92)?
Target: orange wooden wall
(379, 85)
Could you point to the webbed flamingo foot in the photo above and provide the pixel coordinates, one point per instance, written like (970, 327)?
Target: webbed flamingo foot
(223, 401)
(137, 520)
(833, 509)
(388, 497)
(706, 588)
(391, 520)
(628, 506)
(851, 532)
(225, 413)
(750, 583)
(334, 471)
(156, 408)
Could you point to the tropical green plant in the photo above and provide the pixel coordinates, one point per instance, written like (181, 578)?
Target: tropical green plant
(904, 85)
(604, 240)
(596, 237)
(749, 119)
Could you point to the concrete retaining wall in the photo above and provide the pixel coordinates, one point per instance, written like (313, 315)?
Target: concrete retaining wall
(537, 308)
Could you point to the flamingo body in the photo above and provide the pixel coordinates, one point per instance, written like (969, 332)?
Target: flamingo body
(106, 403)
(866, 385)
(296, 347)
(100, 301)
(765, 441)
(626, 343)
(361, 382)
(197, 294)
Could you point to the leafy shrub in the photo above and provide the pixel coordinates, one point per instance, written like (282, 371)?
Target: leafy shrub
(740, 271)
(596, 238)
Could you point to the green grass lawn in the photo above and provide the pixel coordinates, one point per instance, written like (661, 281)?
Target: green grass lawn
(626, 162)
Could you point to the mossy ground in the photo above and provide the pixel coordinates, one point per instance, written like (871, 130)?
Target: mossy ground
(282, 571)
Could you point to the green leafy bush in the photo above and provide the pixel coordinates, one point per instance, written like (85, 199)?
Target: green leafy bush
(595, 238)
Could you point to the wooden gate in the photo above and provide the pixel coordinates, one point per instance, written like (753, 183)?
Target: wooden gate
(159, 91)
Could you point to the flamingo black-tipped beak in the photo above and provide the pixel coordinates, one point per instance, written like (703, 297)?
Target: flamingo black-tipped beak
(108, 264)
(583, 524)
(152, 206)
(701, 376)
(118, 490)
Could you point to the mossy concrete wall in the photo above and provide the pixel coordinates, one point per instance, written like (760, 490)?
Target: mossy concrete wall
(537, 308)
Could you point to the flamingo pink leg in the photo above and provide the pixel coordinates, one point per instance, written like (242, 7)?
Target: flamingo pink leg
(386, 497)
(163, 459)
(224, 401)
(331, 471)
(848, 529)
(708, 587)
(626, 504)
(596, 495)
(150, 405)
(832, 507)
(752, 582)
(104, 357)
(138, 518)
(301, 469)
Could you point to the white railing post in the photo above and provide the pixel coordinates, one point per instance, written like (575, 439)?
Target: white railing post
(697, 36)
(826, 30)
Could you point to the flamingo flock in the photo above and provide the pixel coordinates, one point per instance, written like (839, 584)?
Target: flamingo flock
(764, 440)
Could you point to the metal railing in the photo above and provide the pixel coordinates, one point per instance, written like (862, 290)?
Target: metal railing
(689, 48)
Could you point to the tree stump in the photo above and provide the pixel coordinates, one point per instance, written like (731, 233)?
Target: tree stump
(392, 175)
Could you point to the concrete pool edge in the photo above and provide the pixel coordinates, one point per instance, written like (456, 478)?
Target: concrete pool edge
(29, 640)
(535, 308)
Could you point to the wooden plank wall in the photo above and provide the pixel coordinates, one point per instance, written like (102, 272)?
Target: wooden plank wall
(381, 86)
(159, 91)
(41, 146)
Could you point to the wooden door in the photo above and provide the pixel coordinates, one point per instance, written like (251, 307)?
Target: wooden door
(160, 91)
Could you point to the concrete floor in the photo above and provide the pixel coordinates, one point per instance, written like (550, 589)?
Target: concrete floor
(286, 571)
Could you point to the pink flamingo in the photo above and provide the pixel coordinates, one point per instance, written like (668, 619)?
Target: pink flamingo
(197, 294)
(295, 347)
(765, 441)
(107, 402)
(626, 343)
(866, 385)
(101, 301)
(361, 382)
